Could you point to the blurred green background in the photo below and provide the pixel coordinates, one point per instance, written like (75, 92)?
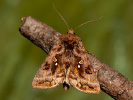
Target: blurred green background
(110, 39)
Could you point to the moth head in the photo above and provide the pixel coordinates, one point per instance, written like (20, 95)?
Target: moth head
(71, 31)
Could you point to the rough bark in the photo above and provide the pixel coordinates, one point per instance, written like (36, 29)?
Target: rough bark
(111, 81)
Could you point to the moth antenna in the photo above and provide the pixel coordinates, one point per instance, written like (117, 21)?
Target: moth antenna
(88, 22)
(60, 16)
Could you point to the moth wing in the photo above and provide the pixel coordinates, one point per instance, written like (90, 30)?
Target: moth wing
(80, 74)
(86, 83)
(51, 73)
(83, 80)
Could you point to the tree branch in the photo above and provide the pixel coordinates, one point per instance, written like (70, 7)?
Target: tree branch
(111, 82)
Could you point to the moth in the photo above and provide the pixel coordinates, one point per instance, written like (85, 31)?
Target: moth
(67, 63)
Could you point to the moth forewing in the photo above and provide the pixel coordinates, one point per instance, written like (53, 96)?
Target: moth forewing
(50, 74)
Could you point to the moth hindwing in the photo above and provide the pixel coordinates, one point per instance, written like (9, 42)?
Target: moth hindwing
(67, 63)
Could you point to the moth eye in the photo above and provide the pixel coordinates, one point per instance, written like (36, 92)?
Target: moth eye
(54, 59)
(56, 64)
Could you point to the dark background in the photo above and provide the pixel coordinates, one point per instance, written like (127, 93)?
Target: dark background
(110, 39)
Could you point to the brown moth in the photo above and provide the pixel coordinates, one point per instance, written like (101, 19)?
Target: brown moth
(67, 63)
